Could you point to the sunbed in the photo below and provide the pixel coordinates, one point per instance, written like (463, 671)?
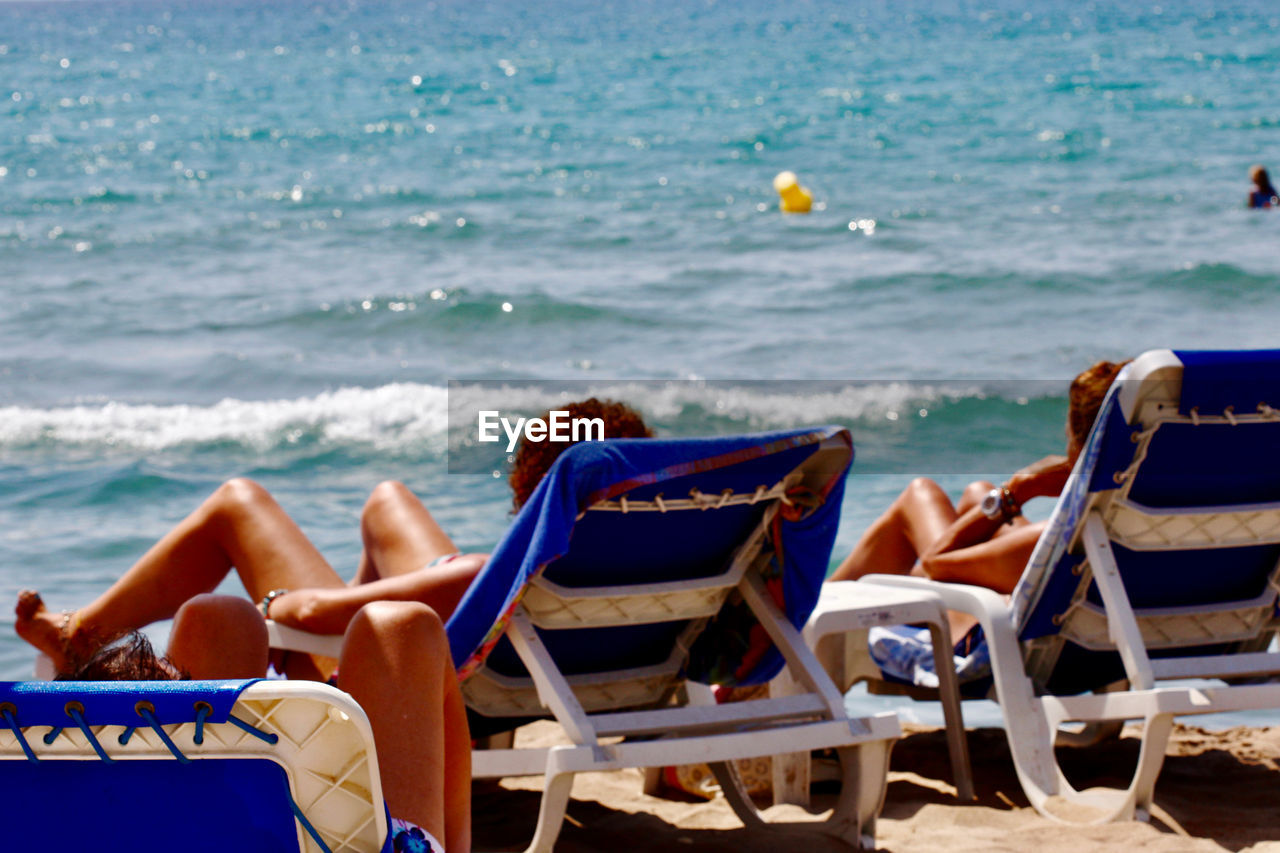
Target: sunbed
(1153, 592)
(257, 766)
(638, 573)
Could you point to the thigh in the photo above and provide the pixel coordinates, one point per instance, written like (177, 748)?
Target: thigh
(926, 513)
(400, 535)
(266, 547)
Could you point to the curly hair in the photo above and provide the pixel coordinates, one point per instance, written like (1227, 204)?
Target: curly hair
(130, 658)
(534, 458)
(1085, 397)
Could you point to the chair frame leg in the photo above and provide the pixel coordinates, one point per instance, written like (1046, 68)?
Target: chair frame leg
(555, 802)
(865, 780)
(736, 793)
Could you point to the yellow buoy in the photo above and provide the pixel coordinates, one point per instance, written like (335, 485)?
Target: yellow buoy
(795, 198)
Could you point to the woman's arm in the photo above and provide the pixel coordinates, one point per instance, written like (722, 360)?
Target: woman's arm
(980, 550)
(330, 610)
(995, 562)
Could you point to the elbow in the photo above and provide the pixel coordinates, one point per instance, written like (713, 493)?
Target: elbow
(310, 615)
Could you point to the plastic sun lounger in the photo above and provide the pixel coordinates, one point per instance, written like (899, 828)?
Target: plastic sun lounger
(642, 570)
(209, 766)
(1160, 563)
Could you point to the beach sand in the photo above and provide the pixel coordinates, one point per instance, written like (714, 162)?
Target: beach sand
(1219, 790)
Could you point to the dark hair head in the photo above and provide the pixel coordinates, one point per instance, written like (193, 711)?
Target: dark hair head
(1260, 178)
(534, 458)
(130, 658)
(1085, 397)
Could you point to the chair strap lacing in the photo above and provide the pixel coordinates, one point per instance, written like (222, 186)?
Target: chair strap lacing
(256, 732)
(52, 735)
(203, 709)
(306, 824)
(17, 732)
(123, 740)
(150, 717)
(75, 712)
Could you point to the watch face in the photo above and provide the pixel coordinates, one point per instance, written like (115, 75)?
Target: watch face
(991, 504)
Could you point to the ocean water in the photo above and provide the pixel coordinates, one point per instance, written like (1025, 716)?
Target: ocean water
(258, 239)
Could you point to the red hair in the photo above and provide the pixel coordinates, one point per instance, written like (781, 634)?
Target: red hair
(1085, 397)
(534, 458)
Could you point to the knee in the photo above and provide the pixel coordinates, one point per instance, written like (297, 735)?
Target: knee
(239, 496)
(923, 489)
(211, 617)
(975, 492)
(383, 499)
(399, 621)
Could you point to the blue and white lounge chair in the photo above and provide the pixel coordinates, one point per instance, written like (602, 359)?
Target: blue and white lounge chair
(215, 766)
(642, 568)
(1160, 563)
(638, 572)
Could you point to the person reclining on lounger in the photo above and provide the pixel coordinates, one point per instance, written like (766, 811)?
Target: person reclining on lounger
(409, 570)
(984, 539)
(395, 663)
(407, 556)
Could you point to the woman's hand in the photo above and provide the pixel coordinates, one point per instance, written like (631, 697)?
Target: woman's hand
(1045, 478)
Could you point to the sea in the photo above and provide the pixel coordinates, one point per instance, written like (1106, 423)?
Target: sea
(272, 240)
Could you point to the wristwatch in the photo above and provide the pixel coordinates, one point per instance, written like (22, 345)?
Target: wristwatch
(999, 505)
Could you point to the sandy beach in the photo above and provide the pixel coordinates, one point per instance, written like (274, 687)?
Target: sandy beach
(1219, 790)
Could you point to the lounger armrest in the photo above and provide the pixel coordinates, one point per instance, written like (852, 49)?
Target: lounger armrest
(985, 604)
(282, 637)
(990, 609)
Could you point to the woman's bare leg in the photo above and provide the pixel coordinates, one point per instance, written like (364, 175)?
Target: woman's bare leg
(219, 636)
(399, 534)
(972, 496)
(396, 664)
(894, 541)
(239, 526)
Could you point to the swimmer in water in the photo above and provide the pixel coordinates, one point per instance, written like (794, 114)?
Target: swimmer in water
(1263, 195)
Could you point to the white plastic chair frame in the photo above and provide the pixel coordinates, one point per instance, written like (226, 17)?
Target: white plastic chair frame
(699, 731)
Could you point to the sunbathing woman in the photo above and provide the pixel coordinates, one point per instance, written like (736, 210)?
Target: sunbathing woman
(984, 539)
(395, 657)
(406, 556)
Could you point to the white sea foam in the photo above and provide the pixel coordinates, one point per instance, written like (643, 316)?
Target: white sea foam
(405, 415)
(388, 416)
(758, 404)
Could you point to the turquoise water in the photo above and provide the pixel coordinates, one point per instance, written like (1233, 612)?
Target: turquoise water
(242, 238)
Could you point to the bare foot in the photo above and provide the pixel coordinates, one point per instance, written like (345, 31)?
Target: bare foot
(48, 632)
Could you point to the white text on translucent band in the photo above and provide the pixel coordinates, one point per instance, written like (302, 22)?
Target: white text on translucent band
(557, 427)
